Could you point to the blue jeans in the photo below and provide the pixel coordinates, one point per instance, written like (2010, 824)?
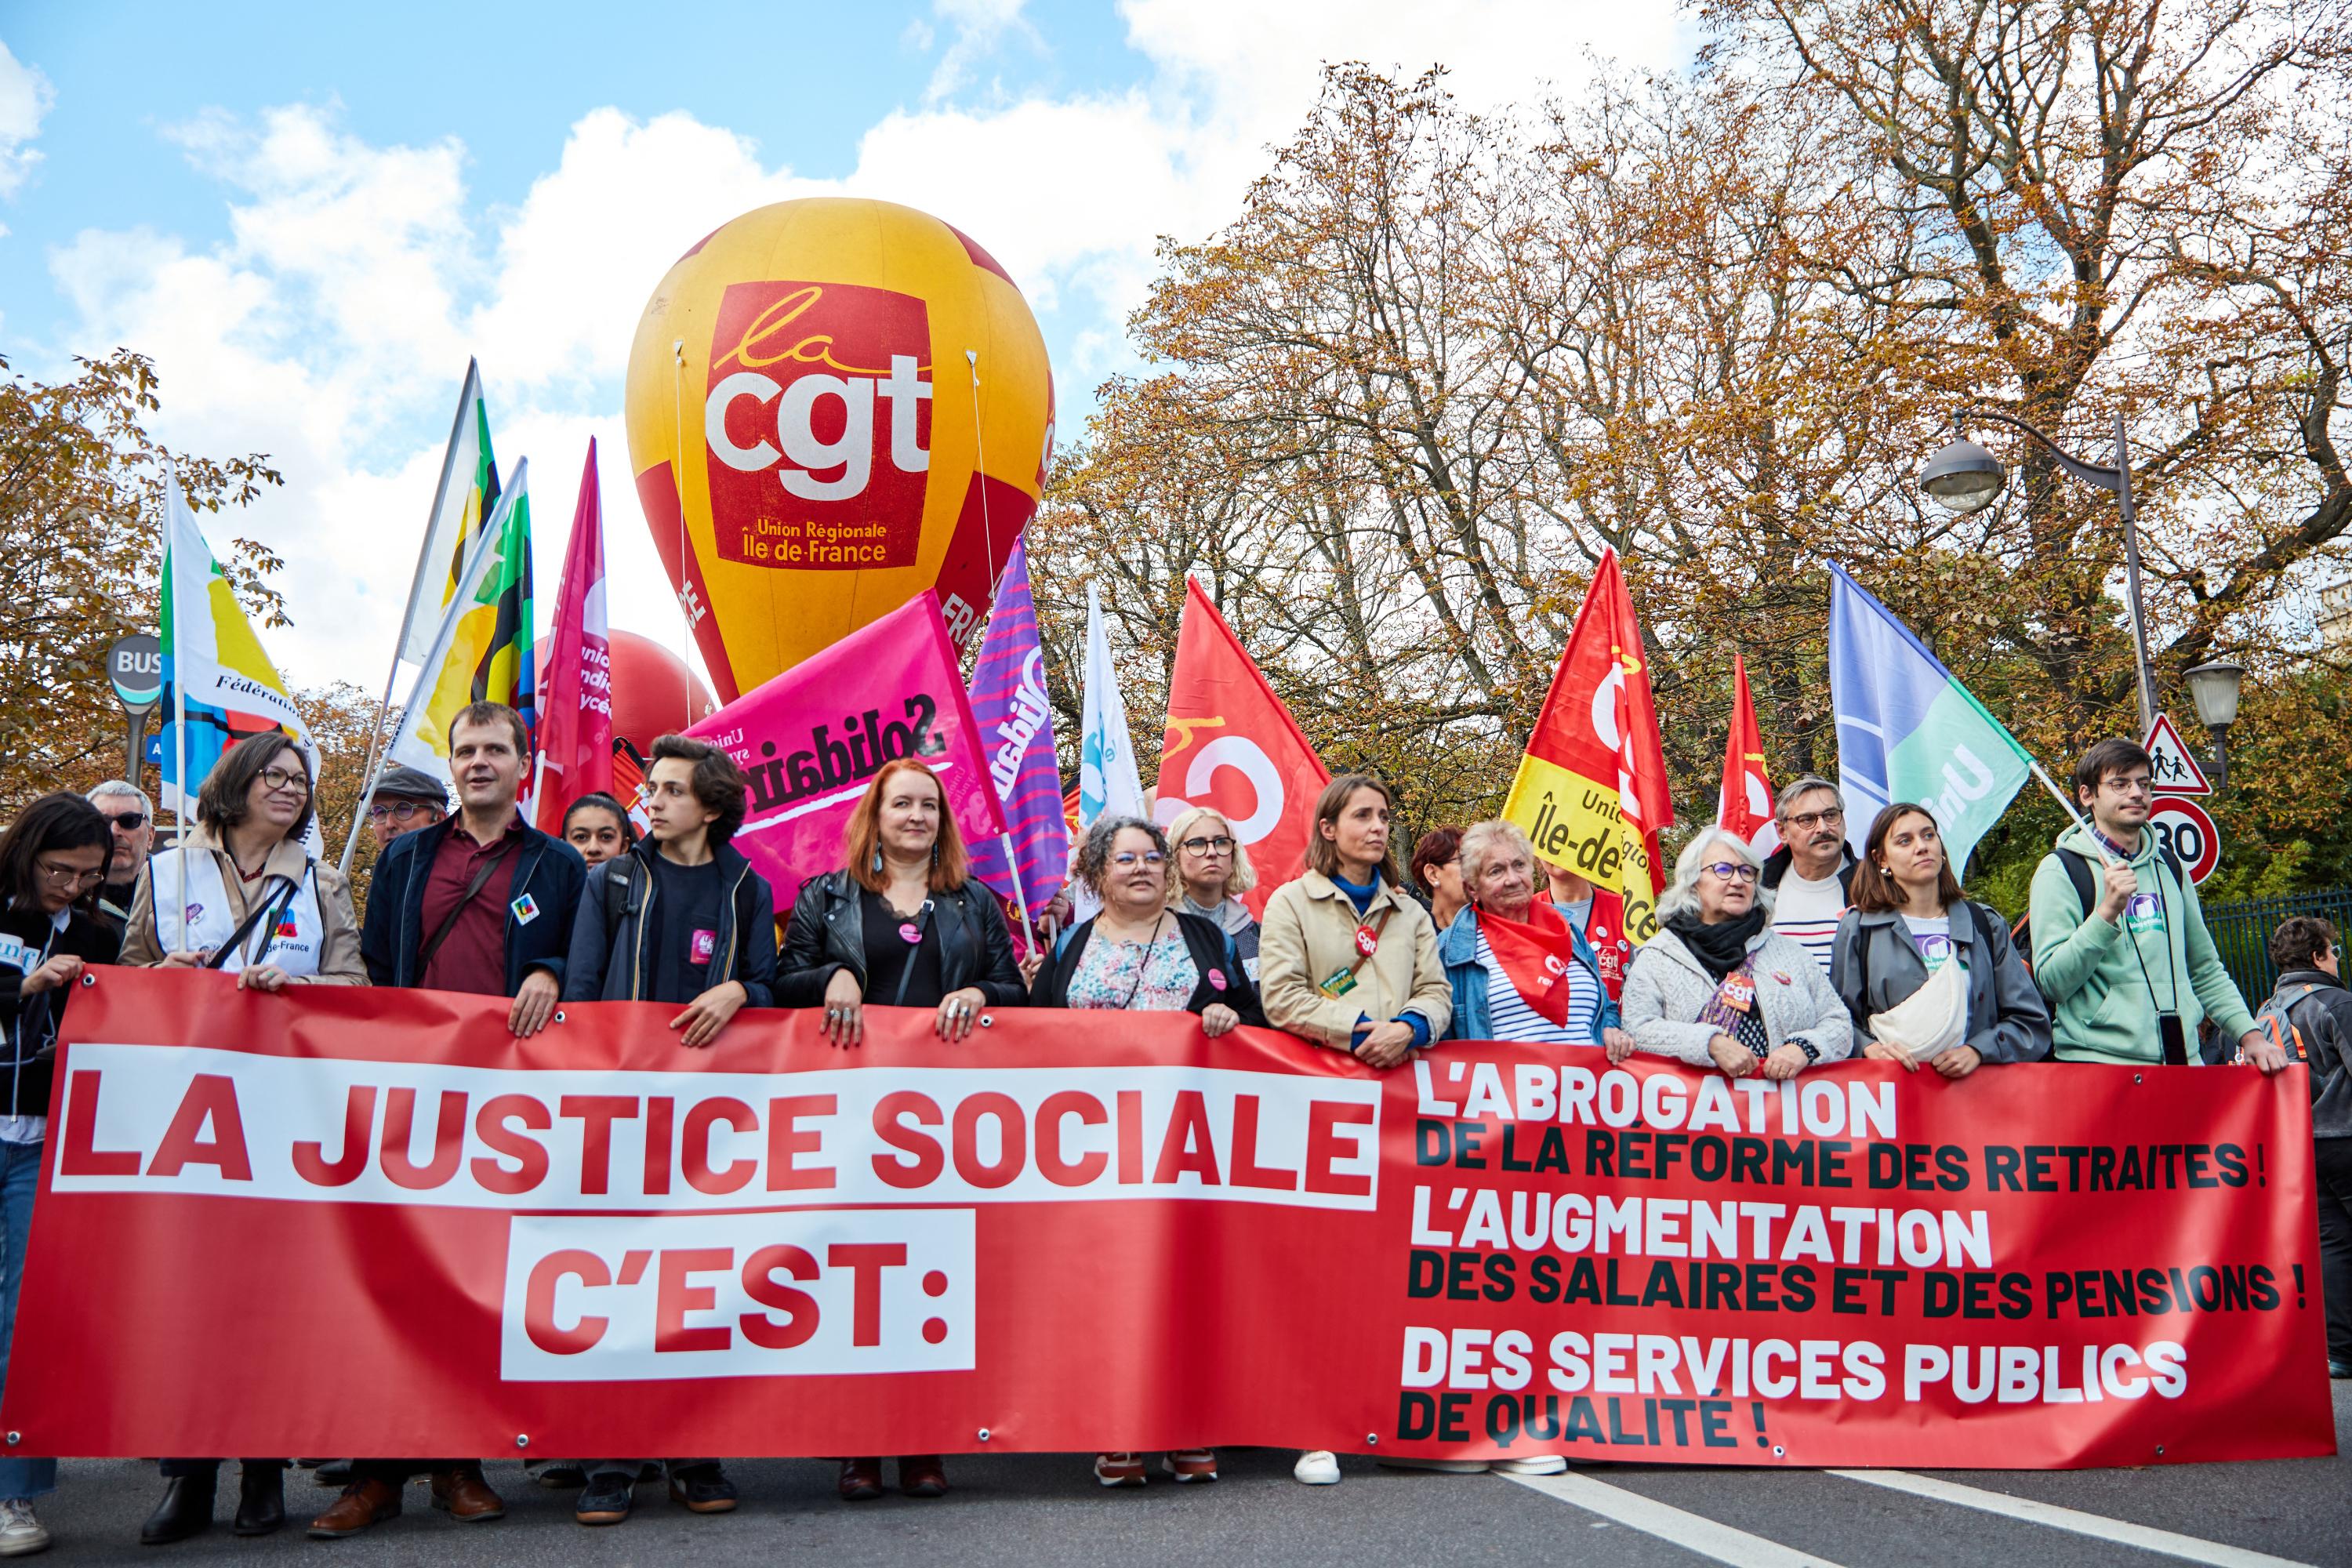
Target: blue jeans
(20, 1179)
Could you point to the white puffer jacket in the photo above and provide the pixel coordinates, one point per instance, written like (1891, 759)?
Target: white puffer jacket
(1666, 989)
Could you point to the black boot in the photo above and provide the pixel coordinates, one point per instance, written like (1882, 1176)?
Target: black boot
(260, 1498)
(186, 1509)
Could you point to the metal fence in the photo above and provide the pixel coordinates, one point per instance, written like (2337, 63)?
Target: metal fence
(2242, 930)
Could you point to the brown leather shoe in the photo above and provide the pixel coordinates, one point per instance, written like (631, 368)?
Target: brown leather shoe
(861, 1479)
(464, 1497)
(364, 1502)
(923, 1474)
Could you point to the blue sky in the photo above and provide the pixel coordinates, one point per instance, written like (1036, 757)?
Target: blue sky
(311, 216)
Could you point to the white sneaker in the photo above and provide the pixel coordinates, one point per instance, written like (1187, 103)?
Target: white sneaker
(1443, 1466)
(21, 1534)
(1531, 1465)
(1317, 1467)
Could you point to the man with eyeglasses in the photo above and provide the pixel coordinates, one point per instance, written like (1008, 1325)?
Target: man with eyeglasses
(2119, 941)
(1810, 875)
(132, 816)
(406, 800)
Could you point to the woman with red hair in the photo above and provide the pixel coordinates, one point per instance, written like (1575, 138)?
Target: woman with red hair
(902, 924)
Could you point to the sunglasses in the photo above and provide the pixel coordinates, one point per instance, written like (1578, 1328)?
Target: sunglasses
(128, 821)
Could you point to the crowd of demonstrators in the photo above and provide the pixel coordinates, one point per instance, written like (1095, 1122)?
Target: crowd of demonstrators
(2120, 946)
(1719, 984)
(1212, 871)
(903, 924)
(1768, 967)
(132, 817)
(1138, 954)
(404, 800)
(1807, 878)
(1928, 975)
(2309, 1015)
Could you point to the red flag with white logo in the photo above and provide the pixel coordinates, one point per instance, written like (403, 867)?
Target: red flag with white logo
(1745, 807)
(1232, 746)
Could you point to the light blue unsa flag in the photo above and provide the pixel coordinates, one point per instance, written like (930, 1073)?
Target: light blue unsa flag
(1908, 730)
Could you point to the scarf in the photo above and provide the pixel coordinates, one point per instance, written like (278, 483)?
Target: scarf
(1536, 953)
(1231, 915)
(1719, 948)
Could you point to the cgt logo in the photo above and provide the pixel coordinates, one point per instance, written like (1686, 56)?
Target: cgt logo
(817, 421)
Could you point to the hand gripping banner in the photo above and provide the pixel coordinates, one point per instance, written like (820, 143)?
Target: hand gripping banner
(1073, 1235)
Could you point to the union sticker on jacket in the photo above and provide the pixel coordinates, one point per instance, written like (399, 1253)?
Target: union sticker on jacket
(526, 909)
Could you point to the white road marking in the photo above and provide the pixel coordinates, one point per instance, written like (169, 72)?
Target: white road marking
(2098, 1526)
(1690, 1532)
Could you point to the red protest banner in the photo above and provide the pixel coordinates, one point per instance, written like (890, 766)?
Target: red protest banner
(596, 1242)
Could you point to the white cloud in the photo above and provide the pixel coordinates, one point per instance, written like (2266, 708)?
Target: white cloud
(331, 326)
(26, 95)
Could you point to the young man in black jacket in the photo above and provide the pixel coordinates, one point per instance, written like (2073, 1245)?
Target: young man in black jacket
(681, 920)
(482, 902)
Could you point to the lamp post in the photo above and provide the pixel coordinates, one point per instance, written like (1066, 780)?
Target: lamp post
(2213, 689)
(1964, 477)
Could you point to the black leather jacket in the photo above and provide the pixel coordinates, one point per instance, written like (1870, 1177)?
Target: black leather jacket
(828, 932)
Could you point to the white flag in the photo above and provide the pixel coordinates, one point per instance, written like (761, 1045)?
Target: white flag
(467, 494)
(1107, 781)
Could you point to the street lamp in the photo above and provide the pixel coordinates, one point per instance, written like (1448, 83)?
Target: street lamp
(1964, 477)
(2213, 690)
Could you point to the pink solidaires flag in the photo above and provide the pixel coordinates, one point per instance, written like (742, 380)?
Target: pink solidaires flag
(812, 739)
(575, 702)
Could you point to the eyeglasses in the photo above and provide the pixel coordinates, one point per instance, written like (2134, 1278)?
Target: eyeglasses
(65, 878)
(398, 810)
(1813, 819)
(293, 779)
(127, 821)
(1732, 871)
(1129, 859)
(1219, 845)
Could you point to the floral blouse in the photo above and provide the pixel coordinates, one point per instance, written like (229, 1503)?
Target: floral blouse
(1158, 976)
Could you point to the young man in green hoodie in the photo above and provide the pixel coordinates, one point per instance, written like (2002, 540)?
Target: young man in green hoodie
(2130, 976)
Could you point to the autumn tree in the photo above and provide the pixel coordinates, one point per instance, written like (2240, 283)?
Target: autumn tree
(81, 488)
(1718, 321)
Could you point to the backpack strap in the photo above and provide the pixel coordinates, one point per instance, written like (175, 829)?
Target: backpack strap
(620, 894)
(2078, 871)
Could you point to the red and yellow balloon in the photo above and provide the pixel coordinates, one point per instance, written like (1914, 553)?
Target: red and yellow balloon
(812, 393)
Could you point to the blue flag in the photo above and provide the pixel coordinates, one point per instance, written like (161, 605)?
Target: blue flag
(1907, 731)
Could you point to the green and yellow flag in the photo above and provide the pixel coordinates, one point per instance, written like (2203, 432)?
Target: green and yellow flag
(482, 649)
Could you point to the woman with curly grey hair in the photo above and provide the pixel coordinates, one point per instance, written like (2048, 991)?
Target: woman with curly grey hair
(1139, 955)
(1717, 987)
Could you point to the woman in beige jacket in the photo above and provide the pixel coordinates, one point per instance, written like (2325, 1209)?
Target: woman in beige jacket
(1347, 958)
(240, 894)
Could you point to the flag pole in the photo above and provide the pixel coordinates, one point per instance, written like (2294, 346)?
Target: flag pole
(416, 585)
(179, 735)
(2073, 813)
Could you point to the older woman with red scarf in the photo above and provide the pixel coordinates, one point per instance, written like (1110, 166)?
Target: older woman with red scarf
(1519, 970)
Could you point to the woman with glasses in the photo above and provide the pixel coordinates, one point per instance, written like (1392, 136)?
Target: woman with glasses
(1928, 976)
(52, 859)
(1138, 955)
(1520, 970)
(240, 894)
(903, 924)
(1717, 987)
(1213, 870)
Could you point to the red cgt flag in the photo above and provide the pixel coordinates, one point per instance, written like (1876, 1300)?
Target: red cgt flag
(1745, 808)
(1232, 745)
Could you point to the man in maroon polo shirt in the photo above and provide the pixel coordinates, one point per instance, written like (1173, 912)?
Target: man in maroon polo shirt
(482, 902)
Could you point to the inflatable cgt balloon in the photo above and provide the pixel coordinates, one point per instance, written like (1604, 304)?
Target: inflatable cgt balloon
(801, 413)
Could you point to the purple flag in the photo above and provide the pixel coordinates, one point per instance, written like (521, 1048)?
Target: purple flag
(1016, 732)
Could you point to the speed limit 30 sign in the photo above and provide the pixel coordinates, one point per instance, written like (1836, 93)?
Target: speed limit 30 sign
(2181, 825)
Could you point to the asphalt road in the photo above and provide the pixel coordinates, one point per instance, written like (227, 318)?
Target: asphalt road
(1041, 1511)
